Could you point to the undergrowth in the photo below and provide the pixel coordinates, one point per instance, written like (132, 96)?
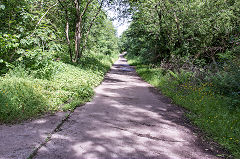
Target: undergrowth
(58, 86)
(216, 114)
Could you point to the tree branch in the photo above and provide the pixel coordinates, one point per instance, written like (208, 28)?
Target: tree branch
(85, 9)
(67, 29)
(43, 17)
(89, 29)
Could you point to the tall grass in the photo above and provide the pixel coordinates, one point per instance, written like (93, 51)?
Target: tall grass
(209, 110)
(58, 86)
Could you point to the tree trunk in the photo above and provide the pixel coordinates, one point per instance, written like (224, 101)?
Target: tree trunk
(180, 39)
(77, 41)
(67, 30)
(78, 30)
(89, 29)
(68, 40)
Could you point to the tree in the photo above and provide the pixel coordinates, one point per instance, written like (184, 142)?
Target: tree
(36, 29)
(198, 29)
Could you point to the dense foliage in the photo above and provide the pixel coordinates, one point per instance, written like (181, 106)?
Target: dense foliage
(203, 31)
(190, 50)
(32, 31)
(39, 66)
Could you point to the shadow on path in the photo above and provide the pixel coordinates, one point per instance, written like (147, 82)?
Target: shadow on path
(126, 119)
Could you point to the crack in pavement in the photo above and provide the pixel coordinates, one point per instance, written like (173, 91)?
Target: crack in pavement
(146, 135)
(48, 138)
(141, 123)
(140, 134)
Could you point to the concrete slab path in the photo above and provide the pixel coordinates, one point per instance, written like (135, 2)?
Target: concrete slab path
(126, 119)
(18, 141)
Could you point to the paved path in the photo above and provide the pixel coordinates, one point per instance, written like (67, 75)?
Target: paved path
(126, 119)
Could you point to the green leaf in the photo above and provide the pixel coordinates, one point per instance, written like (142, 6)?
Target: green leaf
(2, 7)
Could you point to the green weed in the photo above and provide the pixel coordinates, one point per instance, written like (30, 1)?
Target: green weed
(58, 86)
(20, 99)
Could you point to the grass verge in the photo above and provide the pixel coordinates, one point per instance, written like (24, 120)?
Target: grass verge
(56, 87)
(210, 111)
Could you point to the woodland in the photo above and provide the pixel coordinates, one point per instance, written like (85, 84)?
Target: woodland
(53, 53)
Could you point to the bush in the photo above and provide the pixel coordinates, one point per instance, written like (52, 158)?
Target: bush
(227, 81)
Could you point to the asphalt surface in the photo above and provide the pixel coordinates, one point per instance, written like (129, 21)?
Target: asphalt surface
(125, 119)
